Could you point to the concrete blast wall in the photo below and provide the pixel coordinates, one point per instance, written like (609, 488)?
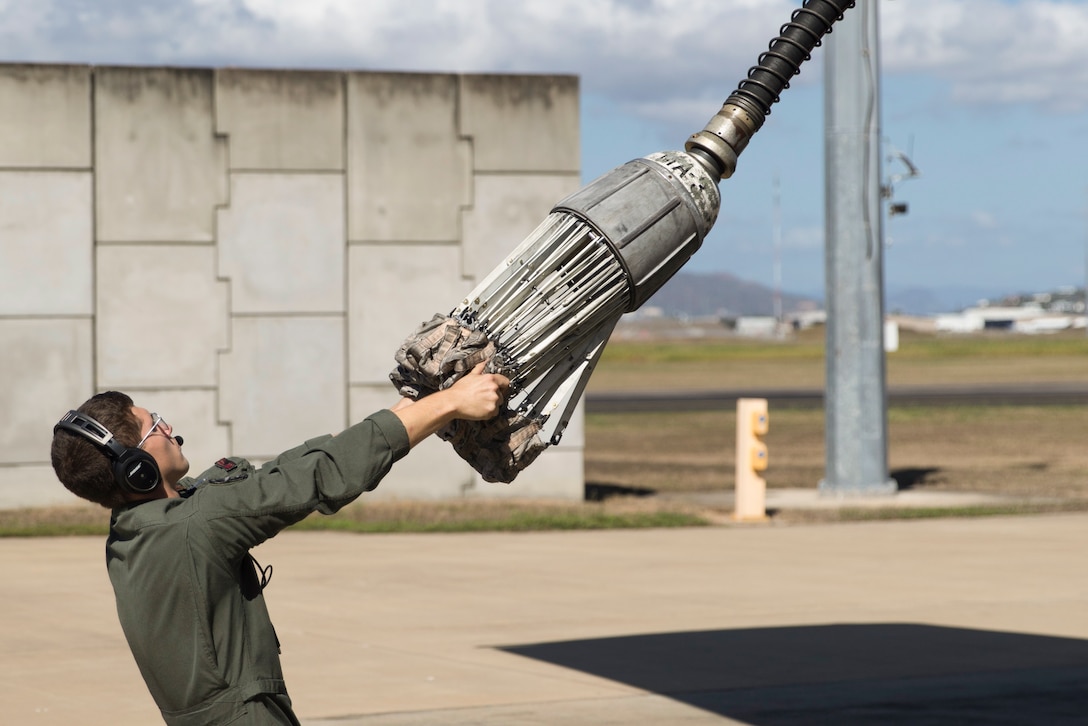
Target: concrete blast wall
(243, 251)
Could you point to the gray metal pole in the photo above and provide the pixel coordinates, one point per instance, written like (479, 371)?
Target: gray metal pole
(856, 402)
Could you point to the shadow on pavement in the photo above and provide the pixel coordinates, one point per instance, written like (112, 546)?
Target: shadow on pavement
(600, 491)
(846, 674)
(909, 478)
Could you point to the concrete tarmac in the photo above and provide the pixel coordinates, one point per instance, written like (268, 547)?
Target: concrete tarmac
(941, 621)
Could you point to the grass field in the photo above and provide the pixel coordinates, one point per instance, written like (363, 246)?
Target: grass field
(1034, 452)
(738, 363)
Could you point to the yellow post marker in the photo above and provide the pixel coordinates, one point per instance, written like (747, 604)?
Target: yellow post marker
(750, 489)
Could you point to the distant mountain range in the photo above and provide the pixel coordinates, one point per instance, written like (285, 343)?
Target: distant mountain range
(697, 294)
(933, 300)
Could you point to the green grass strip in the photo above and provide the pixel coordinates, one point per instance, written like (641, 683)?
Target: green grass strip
(510, 522)
(513, 522)
(54, 530)
(981, 510)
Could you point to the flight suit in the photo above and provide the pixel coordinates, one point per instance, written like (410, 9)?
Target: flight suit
(189, 596)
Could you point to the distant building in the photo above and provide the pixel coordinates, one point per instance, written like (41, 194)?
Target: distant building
(757, 325)
(1028, 318)
(804, 319)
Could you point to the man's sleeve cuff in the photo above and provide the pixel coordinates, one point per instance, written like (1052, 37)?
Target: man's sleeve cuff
(395, 434)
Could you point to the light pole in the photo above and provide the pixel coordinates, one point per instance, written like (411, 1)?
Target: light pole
(856, 399)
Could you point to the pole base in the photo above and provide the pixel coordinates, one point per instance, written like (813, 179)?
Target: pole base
(839, 491)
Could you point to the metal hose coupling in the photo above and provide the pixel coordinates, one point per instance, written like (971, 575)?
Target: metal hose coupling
(720, 142)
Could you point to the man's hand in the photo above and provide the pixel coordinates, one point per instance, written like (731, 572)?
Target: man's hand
(477, 396)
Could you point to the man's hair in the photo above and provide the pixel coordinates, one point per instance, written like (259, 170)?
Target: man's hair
(83, 467)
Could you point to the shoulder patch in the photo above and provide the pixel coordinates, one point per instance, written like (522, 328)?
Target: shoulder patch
(226, 464)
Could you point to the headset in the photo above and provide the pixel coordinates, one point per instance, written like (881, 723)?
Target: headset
(133, 469)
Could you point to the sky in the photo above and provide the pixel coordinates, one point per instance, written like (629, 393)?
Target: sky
(987, 98)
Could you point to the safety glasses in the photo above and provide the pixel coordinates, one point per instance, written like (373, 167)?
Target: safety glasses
(157, 422)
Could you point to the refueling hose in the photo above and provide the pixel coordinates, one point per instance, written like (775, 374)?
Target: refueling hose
(744, 112)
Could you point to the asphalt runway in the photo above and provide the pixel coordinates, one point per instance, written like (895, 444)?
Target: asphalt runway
(1035, 394)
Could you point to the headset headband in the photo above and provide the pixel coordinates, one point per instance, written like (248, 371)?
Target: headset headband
(84, 425)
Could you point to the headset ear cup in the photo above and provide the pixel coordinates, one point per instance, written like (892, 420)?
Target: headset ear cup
(136, 471)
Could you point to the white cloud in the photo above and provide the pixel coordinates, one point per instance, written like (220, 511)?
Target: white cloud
(993, 53)
(645, 55)
(983, 219)
(628, 49)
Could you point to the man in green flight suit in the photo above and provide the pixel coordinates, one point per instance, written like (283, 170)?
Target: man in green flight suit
(189, 596)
